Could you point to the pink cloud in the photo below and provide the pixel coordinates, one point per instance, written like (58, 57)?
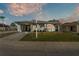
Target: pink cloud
(20, 9)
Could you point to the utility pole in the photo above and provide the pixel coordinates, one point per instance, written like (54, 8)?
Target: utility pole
(36, 30)
(39, 12)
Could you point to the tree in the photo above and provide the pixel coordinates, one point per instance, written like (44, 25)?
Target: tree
(2, 17)
(12, 24)
(54, 20)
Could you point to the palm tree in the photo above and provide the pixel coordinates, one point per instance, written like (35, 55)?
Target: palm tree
(2, 18)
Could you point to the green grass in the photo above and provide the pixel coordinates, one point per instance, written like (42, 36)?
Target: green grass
(1, 30)
(6, 34)
(52, 36)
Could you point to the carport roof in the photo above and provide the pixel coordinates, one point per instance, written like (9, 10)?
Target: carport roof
(71, 23)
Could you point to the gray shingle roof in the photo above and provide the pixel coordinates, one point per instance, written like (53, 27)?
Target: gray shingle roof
(34, 22)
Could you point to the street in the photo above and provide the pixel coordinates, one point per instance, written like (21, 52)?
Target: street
(11, 46)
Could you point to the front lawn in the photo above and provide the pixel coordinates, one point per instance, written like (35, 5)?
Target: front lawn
(51, 36)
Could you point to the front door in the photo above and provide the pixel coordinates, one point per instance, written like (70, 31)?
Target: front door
(28, 28)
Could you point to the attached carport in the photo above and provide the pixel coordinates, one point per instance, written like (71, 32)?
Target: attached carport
(70, 27)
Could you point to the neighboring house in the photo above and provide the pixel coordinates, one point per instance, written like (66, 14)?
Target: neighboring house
(30, 26)
(70, 27)
(4, 27)
(13, 27)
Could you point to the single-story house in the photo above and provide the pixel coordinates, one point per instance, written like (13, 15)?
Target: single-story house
(30, 26)
(70, 27)
(4, 27)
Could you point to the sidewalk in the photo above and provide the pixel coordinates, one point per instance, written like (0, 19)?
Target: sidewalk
(13, 37)
(7, 32)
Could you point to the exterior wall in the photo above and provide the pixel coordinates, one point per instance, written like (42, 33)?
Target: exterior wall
(18, 27)
(12, 28)
(40, 27)
(1, 28)
(77, 28)
(50, 27)
(4, 28)
(69, 28)
(43, 27)
(33, 27)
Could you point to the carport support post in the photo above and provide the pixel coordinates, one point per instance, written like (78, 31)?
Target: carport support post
(58, 28)
(77, 28)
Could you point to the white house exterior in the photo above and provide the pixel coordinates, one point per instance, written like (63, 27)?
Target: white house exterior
(51, 27)
(30, 26)
(18, 27)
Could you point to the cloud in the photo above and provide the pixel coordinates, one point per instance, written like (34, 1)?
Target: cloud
(20, 9)
(1, 11)
(74, 16)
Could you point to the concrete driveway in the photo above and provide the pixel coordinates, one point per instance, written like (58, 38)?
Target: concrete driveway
(11, 46)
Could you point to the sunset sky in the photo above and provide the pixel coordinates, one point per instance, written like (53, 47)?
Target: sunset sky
(14, 12)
